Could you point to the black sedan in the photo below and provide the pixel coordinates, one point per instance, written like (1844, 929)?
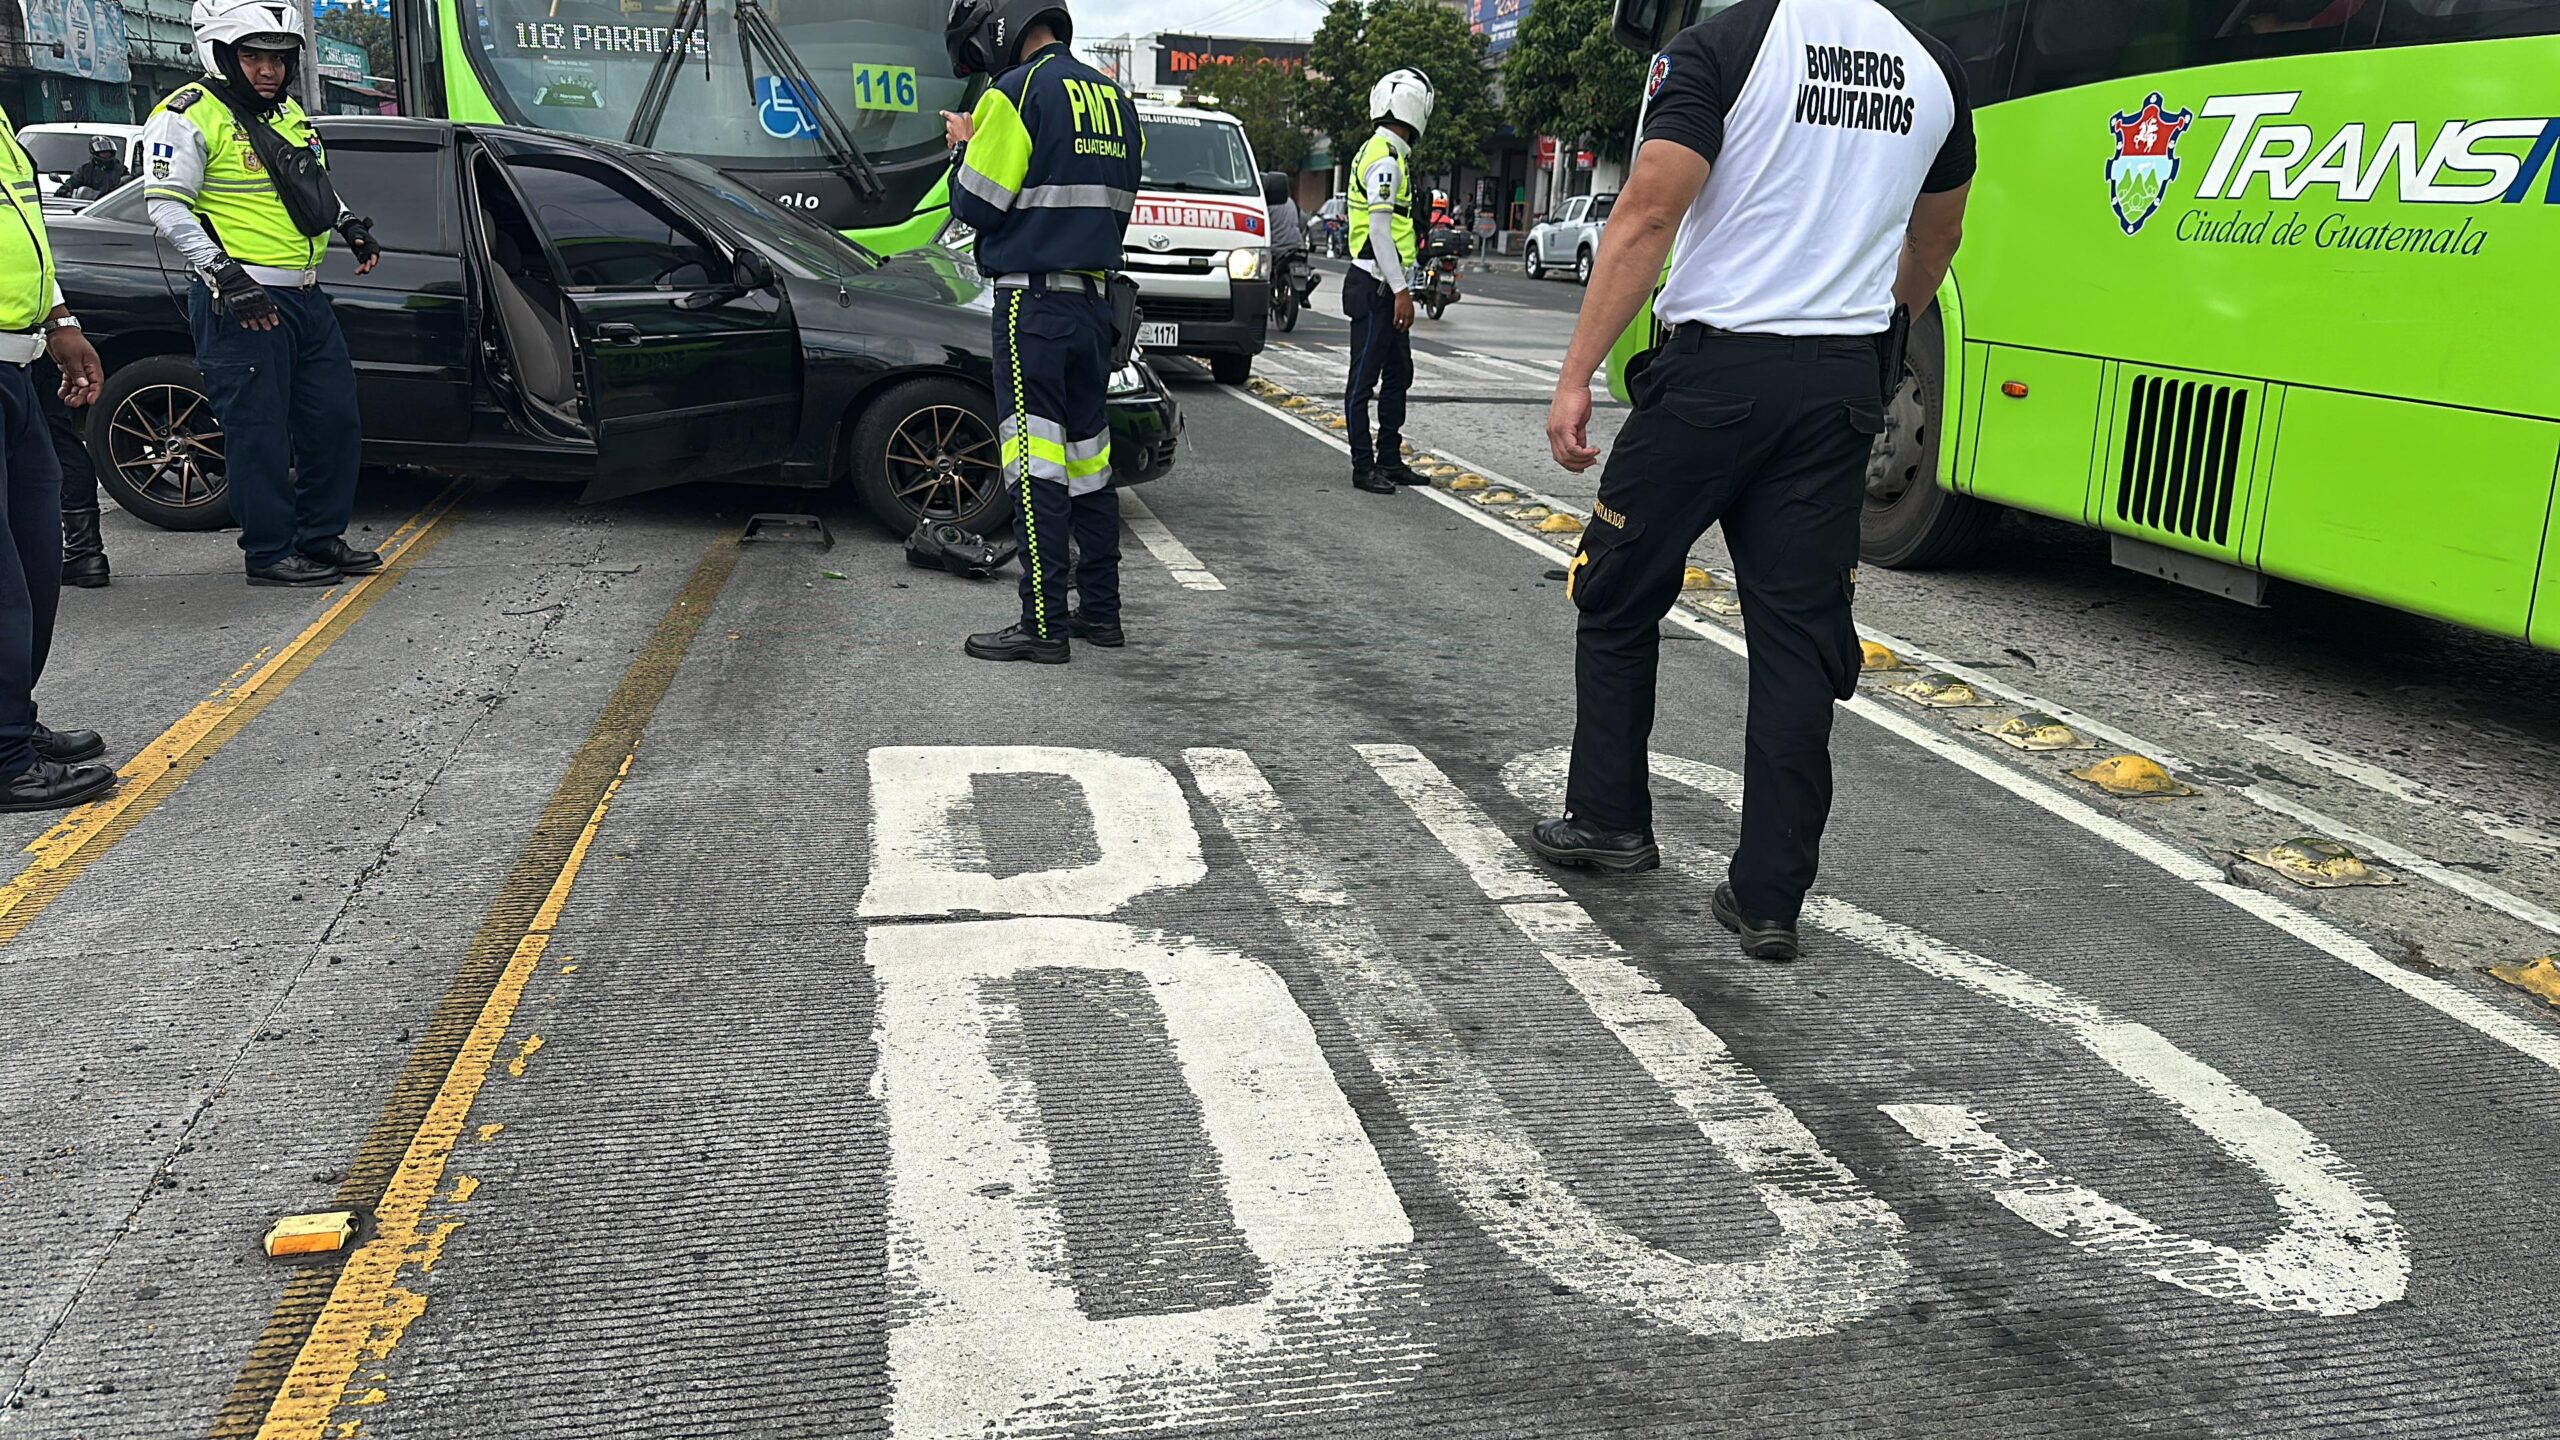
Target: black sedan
(559, 308)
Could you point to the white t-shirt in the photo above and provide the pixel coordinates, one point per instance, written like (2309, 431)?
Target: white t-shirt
(1824, 120)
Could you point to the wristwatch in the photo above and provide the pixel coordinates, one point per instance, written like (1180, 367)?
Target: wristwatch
(65, 322)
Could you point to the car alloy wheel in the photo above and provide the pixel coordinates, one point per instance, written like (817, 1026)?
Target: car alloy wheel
(166, 444)
(942, 461)
(1537, 271)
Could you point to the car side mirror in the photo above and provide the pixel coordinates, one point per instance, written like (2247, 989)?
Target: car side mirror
(749, 272)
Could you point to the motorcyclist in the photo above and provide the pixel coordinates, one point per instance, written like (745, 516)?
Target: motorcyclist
(104, 171)
(1288, 232)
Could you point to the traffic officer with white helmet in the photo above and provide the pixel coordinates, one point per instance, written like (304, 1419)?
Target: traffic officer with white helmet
(1378, 293)
(1812, 159)
(234, 178)
(40, 769)
(1047, 176)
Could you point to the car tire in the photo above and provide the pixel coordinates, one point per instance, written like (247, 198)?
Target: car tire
(1537, 267)
(1231, 369)
(1907, 521)
(1582, 267)
(158, 448)
(927, 448)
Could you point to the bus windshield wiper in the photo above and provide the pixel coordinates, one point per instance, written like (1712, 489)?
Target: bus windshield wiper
(758, 39)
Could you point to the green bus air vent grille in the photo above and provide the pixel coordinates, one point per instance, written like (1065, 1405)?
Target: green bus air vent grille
(2181, 464)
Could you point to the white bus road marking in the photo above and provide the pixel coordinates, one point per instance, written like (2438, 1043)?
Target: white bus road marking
(2341, 1251)
(988, 1336)
(2513, 1031)
(927, 859)
(1187, 570)
(1840, 1255)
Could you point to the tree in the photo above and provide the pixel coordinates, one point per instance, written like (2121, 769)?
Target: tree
(1262, 94)
(370, 29)
(1361, 40)
(1566, 77)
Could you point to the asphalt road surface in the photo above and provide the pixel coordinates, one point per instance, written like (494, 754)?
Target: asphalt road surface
(729, 1011)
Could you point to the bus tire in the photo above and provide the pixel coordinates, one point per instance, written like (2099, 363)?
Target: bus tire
(1907, 521)
(927, 448)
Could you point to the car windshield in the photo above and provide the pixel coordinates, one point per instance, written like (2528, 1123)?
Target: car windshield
(789, 240)
(580, 65)
(1187, 152)
(56, 151)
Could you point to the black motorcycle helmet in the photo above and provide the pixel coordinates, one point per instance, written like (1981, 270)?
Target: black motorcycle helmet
(1275, 187)
(104, 147)
(984, 36)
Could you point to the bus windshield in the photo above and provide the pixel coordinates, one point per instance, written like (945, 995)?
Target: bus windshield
(580, 66)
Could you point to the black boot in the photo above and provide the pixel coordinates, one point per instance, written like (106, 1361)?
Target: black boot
(1109, 637)
(294, 570)
(1402, 473)
(1761, 939)
(1017, 642)
(68, 747)
(52, 785)
(1571, 842)
(84, 550)
(1365, 478)
(336, 553)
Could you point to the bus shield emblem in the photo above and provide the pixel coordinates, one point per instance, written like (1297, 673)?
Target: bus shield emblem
(2146, 160)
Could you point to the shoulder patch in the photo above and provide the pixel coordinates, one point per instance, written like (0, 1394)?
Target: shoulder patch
(1661, 71)
(187, 95)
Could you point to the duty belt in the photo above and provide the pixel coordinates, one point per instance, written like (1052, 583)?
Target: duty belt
(275, 279)
(1041, 280)
(18, 348)
(1688, 335)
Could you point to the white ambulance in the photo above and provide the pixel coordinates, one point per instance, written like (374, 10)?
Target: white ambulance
(1199, 242)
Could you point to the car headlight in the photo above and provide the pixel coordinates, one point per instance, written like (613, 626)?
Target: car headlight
(1127, 381)
(1247, 264)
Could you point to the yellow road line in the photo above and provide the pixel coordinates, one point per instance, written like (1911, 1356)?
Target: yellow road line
(59, 855)
(326, 1326)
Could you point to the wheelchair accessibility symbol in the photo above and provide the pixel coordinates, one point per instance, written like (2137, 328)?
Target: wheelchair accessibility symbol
(785, 109)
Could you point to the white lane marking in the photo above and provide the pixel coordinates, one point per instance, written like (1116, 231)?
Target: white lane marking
(1500, 868)
(1840, 1255)
(2512, 1031)
(986, 1336)
(929, 855)
(1187, 570)
(2341, 1250)
(1547, 373)
(2347, 767)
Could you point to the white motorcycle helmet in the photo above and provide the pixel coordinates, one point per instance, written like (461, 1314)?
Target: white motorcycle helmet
(257, 24)
(1402, 95)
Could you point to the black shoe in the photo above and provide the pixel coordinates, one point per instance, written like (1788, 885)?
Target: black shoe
(1371, 481)
(294, 570)
(1570, 842)
(1402, 473)
(1017, 643)
(84, 550)
(1106, 636)
(68, 747)
(348, 559)
(1760, 942)
(51, 785)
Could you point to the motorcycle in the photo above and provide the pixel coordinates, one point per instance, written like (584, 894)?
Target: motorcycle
(1438, 289)
(1291, 289)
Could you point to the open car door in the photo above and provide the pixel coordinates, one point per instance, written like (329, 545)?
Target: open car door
(684, 361)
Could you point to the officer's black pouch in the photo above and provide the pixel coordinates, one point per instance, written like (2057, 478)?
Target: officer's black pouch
(1124, 319)
(301, 180)
(1896, 345)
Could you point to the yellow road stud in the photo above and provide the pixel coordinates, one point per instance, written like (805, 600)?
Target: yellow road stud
(2318, 863)
(1531, 514)
(1942, 692)
(319, 1234)
(2036, 731)
(1497, 497)
(2534, 977)
(1722, 602)
(1469, 481)
(1695, 578)
(1872, 657)
(2135, 776)
(1560, 525)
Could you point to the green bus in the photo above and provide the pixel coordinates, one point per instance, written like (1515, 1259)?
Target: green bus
(2264, 289)
(828, 107)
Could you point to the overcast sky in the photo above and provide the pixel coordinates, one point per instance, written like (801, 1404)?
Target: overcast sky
(1263, 19)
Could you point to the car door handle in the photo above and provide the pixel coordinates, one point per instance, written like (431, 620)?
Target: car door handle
(618, 334)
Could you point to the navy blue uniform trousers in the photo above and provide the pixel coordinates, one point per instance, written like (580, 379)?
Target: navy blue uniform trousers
(1381, 364)
(291, 437)
(1053, 380)
(1769, 436)
(30, 562)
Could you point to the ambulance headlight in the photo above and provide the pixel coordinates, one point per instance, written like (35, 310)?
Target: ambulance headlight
(1247, 264)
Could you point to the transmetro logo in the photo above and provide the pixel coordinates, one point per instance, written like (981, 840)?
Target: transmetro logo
(2146, 161)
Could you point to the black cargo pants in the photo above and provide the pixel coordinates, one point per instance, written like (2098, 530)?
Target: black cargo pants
(1770, 436)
